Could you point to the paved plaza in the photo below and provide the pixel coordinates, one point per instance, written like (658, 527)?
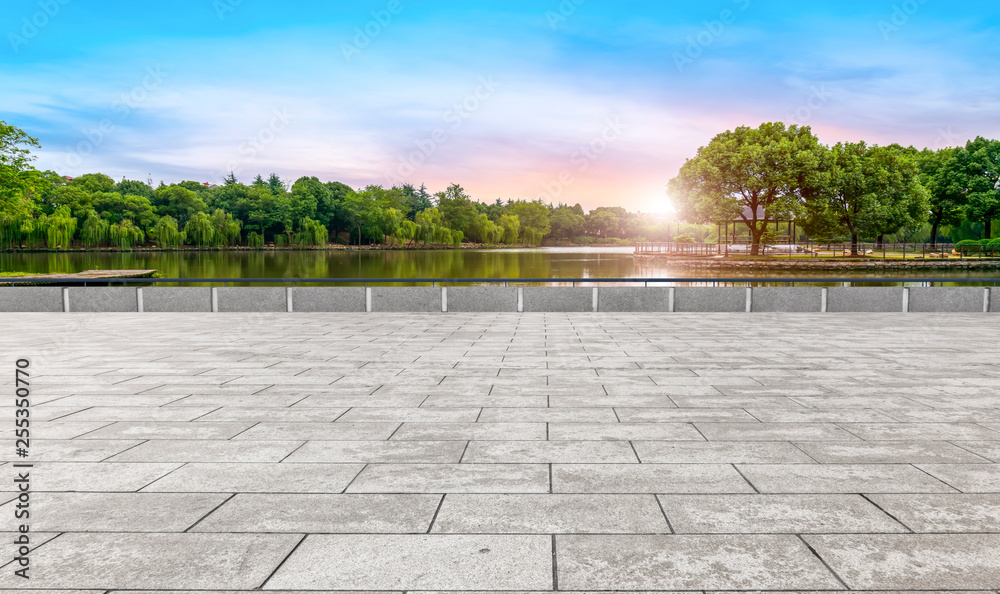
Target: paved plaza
(505, 452)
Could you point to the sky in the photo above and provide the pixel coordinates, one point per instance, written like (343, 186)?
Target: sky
(595, 102)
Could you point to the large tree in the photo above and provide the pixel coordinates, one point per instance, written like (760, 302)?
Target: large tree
(945, 188)
(754, 175)
(869, 191)
(979, 165)
(18, 179)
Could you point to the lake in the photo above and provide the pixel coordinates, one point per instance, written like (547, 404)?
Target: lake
(571, 262)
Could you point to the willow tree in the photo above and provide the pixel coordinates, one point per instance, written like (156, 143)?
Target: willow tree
(311, 233)
(167, 233)
(510, 229)
(753, 175)
(126, 235)
(59, 228)
(227, 229)
(95, 230)
(200, 230)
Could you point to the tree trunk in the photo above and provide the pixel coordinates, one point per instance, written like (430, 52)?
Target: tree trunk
(854, 244)
(879, 241)
(934, 230)
(755, 236)
(988, 225)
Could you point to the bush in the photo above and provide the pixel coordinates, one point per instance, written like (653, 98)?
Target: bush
(684, 239)
(993, 247)
(969, 246)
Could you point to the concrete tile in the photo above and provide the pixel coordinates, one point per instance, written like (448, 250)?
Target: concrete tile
(920, 431)
(156, 561)
(534, 452)
(774, 432)
(469, 431)
(888, 452)
(96, 477)
(118, 512)
(145, 430)
(813, 415)
(761, 452)
(452, 478)
(318, 431)
(409, 452)
(647, 478)
(418, 562)
(257, 478)
(329, 514)
(73, 450)
(744, 562)
(140, 413)
(987, 449)
(841, 478)
(67, 430)
(793, 514)
(912, 561)
(683, 415)
(548, 415)
(967, 478)
(550, 514)
(944, 513)
(411, 415)
(624, 432)
(245, 414)
(209, 451)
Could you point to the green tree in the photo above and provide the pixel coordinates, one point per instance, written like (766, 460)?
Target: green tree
(227, 229)
(757, 176)
(167, 234)
(566, 224)
(458, 210)
(946, 191)
(869, 191)
(95, 230)
(979, 165)
(534, 220)
(200, 230)
(128, 187)
(19, 181)
(117, 208)
(177, 202)
(94, 182)
(126, 235)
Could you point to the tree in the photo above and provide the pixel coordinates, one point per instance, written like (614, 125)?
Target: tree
(227, 229)
(128, 187)
(946, 192)
(277, 186)
(177, 202)
(458, 210)
(417, 199)
(979, 165)
(167, 233)
(94, 182)
(200, 230)
(757, 176)
(18, 179)
(870, 191)
(566, 224)
(534, 220)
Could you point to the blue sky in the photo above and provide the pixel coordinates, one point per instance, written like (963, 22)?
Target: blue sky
(587, 101)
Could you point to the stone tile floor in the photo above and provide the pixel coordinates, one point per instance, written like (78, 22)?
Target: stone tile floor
(515, 453)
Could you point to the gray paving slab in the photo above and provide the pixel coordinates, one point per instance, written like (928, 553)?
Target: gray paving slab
(252, 299)
(452, 478)
(647, 478)
(103, 300)
(550, 514)
(257, 478)
(176, 450)
(944, 513)
(890, 452)
(841, 478)
(624, 431)
(418, 562)
(661, 452)
(745, 562)
(482, 299)
(31, 299)
(156, 561)
(914, 561)
(792, 514)
(405, 452)
(968, 478)
(176, 299)
(298, 514)
(546, 452)
(118, 512)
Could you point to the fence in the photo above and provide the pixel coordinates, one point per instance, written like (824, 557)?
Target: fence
(808, 249)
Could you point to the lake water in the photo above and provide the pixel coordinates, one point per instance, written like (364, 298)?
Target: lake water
(573, 262)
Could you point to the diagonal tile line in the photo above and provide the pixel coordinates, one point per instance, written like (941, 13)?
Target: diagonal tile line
(212, 511)
(288, 556)
(823, 561)
(883, 510)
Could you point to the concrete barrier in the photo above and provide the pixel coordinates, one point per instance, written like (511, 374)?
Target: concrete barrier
(558, 299)
(406, 299)
(635, 299)
(176, 299)
(947, 299)
(482, 299)
(787, 299)
(103, 300)
(31, 299)
(865, 299)
(328, 299)
(709, 300)
(500, 299)
(252, 299)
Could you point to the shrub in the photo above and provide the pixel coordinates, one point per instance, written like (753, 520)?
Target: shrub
(969, 246)
(684, 239)
(993, 247)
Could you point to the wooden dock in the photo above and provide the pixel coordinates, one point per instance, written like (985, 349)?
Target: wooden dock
(95, 276)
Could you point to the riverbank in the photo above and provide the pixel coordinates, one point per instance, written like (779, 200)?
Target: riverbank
(819, 265)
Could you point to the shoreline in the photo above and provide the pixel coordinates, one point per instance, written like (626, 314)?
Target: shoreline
(329, 248)
(873, 265)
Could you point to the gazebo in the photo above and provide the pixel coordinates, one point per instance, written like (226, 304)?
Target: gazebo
(791, 227)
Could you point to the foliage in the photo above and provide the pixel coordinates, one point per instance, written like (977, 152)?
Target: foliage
(200, 230)
(255, 240)
(95, 230)
(684, 239)
(59, 228)
(167, 233)
(126, 235)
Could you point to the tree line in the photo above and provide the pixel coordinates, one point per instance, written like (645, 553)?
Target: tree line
(758, 176)
(44, 209)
